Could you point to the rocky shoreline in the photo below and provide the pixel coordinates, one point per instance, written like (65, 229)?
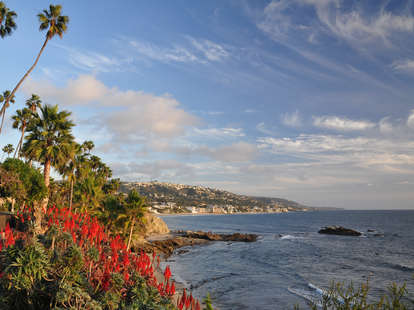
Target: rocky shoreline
(168, 243)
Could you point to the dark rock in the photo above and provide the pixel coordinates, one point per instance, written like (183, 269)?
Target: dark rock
(371, 230)
(179, 252)
(220, 237)
(188, 238)
(339, 230)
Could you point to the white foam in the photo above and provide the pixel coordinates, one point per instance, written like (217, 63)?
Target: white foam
(289, 237)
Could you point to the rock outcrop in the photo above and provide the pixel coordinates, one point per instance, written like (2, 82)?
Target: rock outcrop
(168, 243)
(219, 237)
(339, 230)
(153, 225)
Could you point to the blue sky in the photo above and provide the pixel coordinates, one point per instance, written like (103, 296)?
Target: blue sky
(310, 100)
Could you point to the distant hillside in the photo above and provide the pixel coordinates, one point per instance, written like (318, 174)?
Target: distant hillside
(183, 197)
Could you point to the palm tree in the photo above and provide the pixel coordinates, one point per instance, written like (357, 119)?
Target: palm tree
(69, 168)
(49, 142)
(8, 149)
(56, 24)
(87, 146)
(135, 209)
(6, 98)
(7, 24)
(33, 103)
(20, 121)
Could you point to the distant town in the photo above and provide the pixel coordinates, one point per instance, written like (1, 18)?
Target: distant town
(168, 198)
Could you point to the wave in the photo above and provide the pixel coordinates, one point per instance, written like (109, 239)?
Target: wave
(313, 294)
(307, 295)
(289, 237)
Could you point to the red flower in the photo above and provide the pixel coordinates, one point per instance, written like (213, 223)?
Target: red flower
(167, 273)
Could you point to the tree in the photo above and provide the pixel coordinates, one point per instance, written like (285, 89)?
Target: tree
(135, 209)
(34, 189)
(6, 98)
(8, 149)
(20, 121)
(87, 146)
(33, 103)
(56, 24)
(68, 169)
(48, 142)
(7, 24)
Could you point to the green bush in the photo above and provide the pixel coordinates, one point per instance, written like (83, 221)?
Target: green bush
(341, 297)
(31, 179)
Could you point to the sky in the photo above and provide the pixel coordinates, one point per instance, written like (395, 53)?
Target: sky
(309, 100)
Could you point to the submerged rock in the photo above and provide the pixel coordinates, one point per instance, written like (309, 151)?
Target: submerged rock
(339, 230)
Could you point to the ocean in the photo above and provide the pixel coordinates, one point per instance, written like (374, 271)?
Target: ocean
(290, 262)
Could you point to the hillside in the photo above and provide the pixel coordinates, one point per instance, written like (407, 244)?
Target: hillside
(178, 198)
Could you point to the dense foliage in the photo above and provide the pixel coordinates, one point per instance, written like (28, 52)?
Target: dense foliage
(75, 264)
(21, 182)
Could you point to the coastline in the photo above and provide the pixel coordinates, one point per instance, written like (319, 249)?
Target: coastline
(167, 245)
(241, 213)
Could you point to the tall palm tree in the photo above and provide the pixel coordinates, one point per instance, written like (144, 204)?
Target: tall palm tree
(49, 142)
(7, 24)
(33, 103)
(87, 146)
(20, 121)
(134, 209)
(8, 149)
(56, 24)
(6, 99)
(68, 169)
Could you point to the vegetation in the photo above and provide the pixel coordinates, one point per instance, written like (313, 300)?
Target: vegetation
(27, 188)
(8, 149)
(75, 264)
(7, 24)
(50, 20)
(340, 297)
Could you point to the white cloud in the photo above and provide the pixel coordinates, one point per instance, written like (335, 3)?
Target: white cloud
(356, 26)
(164, 169)
(341, 124)
(381, 154)
(410, 120)
(212, 51)
(261, 127)
(292, 119)
(385, 126)
(219, 132)
(131, 115)
(94, 61)
(236, 152)
(173, 54)
(406, 65)
(198, 51)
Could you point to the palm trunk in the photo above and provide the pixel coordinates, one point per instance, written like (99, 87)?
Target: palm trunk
(6, 102)
(40, 209)
(130, 233)
(71, 195)
(19, 146)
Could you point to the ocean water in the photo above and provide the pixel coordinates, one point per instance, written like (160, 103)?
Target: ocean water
(291, 261)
